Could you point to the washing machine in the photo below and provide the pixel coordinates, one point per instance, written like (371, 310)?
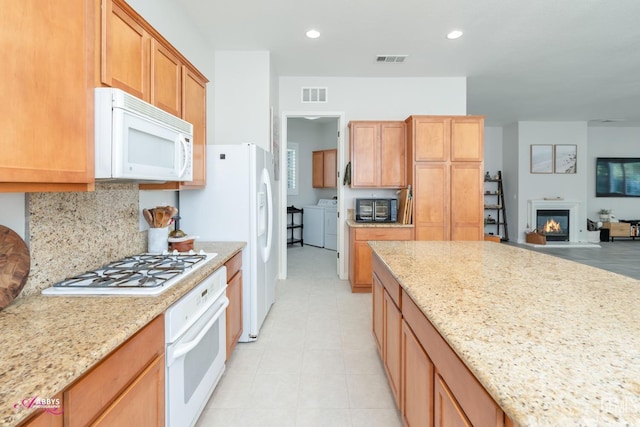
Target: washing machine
(321, 224)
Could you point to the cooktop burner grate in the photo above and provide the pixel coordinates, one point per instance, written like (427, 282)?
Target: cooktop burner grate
(138, 271)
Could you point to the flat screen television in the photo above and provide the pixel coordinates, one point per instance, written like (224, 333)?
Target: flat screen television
(617, 177)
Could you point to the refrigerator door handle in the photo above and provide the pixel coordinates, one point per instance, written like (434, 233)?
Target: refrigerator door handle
(266, 181)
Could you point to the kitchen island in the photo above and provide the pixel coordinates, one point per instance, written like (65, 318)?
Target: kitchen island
(552, 342)
(48, 342)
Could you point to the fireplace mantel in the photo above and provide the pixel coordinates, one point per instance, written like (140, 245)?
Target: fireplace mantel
(572, 206)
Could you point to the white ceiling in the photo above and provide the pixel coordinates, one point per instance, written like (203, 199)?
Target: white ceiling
(525, 60)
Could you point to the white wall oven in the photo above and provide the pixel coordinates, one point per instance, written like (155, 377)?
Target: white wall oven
(196, 349)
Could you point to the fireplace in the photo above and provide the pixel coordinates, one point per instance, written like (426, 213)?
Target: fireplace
(554, 224)
(571, 209)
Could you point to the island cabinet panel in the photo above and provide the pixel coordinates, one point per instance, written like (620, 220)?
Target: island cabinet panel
(477, 405)
(360, 252)
(47, 87)
(388, 320)
(447, 412)
(446, 157)
(377, 295)
(234, 310)
(127, 385)
(435, 386)
(417, 382)
(378, 154)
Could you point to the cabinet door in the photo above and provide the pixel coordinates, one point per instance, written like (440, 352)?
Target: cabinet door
(234, 312)
(142, 403)
(330, 166)
(467, 136)
(47, 84)
(431, 199)
(362, 259)
(317, 159)
(431, 138)
(194, 110)
(391, 344)
(377, 291)
(393, 158)
(166, 79)
(125, 52)
(365, 158)
(447, 412)
(417, 382)
(467, 201)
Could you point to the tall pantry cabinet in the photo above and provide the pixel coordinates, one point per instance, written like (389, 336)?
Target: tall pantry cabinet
(446, 153)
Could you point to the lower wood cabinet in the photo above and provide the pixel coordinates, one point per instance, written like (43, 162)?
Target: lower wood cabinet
(360, 252)
(234, 310)
(432, 386)
(125, 388)
(417, 385)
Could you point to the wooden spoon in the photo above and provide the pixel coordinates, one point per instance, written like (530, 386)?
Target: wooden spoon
(148, 217)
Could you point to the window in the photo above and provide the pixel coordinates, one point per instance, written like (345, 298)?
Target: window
(292, 169)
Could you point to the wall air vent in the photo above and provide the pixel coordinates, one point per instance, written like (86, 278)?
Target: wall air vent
(314, 95)
(391, 58)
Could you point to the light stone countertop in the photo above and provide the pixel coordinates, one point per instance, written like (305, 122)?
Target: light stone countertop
(554, 342)
(50, 341)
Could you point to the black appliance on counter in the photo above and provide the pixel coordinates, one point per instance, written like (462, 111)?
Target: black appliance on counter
(376, 210)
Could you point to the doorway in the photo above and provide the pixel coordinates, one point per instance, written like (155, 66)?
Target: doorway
(303, 134)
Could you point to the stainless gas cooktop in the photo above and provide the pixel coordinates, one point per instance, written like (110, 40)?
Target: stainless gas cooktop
(145, 274)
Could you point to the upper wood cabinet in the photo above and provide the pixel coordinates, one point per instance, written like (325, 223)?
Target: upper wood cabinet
(446, 156)
(166, 79)
(378, 154)
(124, 51)
(325, 166)
(137, 59)
(47, 86)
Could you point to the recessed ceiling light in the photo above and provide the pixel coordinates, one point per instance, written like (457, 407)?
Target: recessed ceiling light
(313, 34)
(454, 35)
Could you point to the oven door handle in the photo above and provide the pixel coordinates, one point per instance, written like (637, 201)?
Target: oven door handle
(182, 349)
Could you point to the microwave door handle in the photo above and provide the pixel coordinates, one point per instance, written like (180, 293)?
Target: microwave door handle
(185, 348)
(185, 149)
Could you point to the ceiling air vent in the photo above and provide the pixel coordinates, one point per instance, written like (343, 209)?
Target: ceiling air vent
(391, 58)
(314, 94)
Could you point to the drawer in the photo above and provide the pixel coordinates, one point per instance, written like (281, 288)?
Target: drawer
(233, 266)
(618, 228)
(380, 233)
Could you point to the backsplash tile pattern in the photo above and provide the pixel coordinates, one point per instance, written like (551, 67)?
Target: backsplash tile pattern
(70, 233)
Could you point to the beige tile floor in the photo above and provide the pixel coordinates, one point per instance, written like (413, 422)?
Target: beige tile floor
(315, 362)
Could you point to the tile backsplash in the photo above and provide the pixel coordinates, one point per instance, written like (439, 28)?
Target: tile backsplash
(70, 233)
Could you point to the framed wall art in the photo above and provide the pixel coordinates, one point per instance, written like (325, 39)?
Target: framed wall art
(565, 158)
(541, 158)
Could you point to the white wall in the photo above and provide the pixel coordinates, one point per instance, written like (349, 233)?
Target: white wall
(242, 98)
(12, 213)
(538, 186)
(511, 177)
(492, 164)
(611, 142)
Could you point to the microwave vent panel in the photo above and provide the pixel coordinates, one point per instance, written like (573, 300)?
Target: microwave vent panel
(136, 105)
(314, 95)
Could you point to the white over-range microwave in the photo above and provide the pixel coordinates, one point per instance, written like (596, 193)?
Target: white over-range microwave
(135, 140)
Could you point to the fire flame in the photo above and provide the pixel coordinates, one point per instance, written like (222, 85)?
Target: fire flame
(552, 226)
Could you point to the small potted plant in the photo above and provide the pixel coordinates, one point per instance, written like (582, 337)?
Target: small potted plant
(604, 214)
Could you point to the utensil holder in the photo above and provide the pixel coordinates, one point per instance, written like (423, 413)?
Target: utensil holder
(157, 242)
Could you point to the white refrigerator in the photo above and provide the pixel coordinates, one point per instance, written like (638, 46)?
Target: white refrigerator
(237, 205)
